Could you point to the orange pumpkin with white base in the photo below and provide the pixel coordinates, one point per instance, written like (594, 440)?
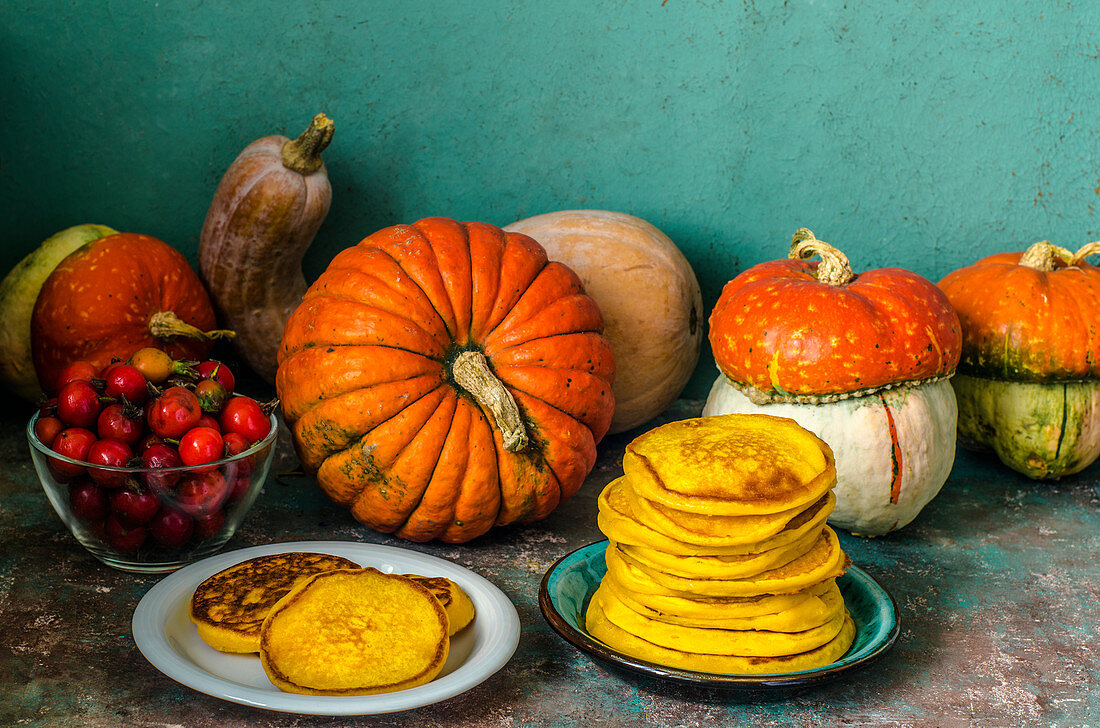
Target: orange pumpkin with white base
(862, 360)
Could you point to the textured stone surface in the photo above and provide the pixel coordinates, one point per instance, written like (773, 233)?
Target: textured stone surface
(997, 584)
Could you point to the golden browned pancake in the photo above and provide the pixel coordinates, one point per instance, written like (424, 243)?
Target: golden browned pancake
(824, 560)
(460, 610)
(712, 641)
(354, 632)
(619, 639)
(820, 604)
(730, 465)
(736, 566)
(618, 521)
(229, 607)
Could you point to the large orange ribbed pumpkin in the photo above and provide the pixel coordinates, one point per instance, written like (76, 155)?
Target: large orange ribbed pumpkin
(443, 377)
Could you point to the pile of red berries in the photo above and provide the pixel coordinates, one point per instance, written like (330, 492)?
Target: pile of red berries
(169, 420)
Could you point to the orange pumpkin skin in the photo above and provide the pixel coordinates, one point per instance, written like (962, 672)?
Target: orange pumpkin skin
(780, 330)
(367, 379)
(1023, 323)
(98, 302)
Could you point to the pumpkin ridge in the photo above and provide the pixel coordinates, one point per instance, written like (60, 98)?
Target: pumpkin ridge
(402, 485)
(425, 243)
(519, 297)
(318, 435)
(581, 418)
(363, 311)
(412, 282)
(455, 289)
(436, 508)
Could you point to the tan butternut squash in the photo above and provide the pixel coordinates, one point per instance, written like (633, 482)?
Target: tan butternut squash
(264, 215)
(648, 295)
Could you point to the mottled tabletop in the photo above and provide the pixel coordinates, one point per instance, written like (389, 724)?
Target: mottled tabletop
(997, 584)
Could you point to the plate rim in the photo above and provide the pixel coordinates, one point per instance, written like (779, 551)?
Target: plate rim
(804, 678)
(486, 659)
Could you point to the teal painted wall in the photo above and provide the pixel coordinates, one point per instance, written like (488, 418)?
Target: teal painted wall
(917, 134)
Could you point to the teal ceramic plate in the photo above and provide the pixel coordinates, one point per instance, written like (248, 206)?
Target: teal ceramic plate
(568, 585)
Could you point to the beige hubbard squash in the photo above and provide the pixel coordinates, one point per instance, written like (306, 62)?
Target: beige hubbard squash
(648, 295)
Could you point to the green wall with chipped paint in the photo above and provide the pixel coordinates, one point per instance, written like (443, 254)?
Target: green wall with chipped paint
(917, 134)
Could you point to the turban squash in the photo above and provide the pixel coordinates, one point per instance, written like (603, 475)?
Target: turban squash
(860, 360)
(1028, 385)
(443, 377)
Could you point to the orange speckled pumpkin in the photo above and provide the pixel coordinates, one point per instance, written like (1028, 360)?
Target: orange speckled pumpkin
(799, 327)
(443, 377)
(1029, 316)
(114, 296)
(1028, 385)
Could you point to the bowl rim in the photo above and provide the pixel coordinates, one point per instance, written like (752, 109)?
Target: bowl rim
(256, 447)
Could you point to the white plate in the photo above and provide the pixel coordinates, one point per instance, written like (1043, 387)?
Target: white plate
(165, 635)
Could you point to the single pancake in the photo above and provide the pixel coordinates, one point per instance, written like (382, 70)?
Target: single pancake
(730, 465)
(717, 609)
(746, 643)
(229, 607)
(354, 632)
(813, 611)
(456, 602)
(617, 520)
(622, 641)
(824, 560)
(738, 566)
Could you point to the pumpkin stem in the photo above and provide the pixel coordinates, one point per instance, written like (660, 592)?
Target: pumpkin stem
(1086, 250)
(471, 372)
(834, 268)
(1045, 256)
(167, 325)
(303, 155)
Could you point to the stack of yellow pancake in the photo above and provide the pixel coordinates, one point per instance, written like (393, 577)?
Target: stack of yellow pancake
(720, 559)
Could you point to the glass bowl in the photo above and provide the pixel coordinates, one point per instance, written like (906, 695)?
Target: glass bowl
(153, 520)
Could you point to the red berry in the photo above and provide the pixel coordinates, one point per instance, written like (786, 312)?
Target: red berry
(241, 484)
(78, 404)
(73, 443)
(200, 446)
(158, 456)
(174, 412)
(47, 428)
(208, 421)
(87, 501)
(111, 453)
(171, 528)
(148, 441)
(202, 493)
(122, 539)
(209, 525)
(126, 382)
(212, 395)
(133, 507)
(235, 444)
(244, 416)
(218, 372)
(116, 423)
(78, 371)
